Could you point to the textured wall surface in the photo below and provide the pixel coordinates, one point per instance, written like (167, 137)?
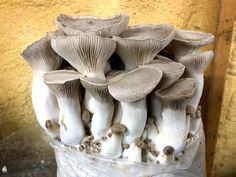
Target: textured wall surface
(24, 21)
(225, 151)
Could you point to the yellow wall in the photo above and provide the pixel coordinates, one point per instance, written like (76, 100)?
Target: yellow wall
(225, 151)
(24, 21)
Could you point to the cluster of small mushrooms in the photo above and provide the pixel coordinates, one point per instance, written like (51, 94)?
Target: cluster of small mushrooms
(119, 91)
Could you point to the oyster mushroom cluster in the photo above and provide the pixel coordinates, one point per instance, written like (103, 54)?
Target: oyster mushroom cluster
(120, 91)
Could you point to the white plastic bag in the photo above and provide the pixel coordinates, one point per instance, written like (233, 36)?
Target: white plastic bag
(73, 163)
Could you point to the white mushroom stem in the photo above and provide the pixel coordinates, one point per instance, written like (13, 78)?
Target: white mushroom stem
(173, 131)
(200, 82)
(155, 109)
(134, 118)
(103, 106)
(165, 159)
(89, 102)
(112, 146)
(71, 125)
(133, 153)
(44, 101)
(152, 131)
(117, 113)
(102, 117)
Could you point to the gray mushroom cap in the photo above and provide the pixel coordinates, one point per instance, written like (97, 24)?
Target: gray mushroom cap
(88, 54)
(115, 75)
(63, 82)
(118, 129)
(172, 71)
(98, 88)
(197, 62)
(140, 44)
(102, 26)
(40, 55)
(138, 142)
(193, 38)
(177, 95)
(186, 42)
(136, 84)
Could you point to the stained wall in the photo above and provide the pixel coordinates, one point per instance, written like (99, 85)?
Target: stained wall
(225, 151)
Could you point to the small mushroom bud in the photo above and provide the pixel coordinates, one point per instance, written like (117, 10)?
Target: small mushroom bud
(126, 146)
(198, 114)
(190, 110)
(168, 150)
(53, 129)
(112, 147)
(166, 157)
(139, 143)
(86, 117)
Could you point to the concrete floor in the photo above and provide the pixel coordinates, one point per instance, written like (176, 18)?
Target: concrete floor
(27, 153)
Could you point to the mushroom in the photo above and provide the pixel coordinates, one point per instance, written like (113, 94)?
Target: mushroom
(134, 152)
(195, 65)
(140, 44)
(65, 85)
(112, 147)
(165, 157)
(102, 26)
(131, 90)
(174, 128)
(53, 129)
(186, 42)
(43, 59)
(172, 71)
(89, 55)
(104, 106)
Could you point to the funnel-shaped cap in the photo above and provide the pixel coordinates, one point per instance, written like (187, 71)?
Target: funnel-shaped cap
(102, 26)
(186, 42)
(197, 62)
(136, 84)
(98, 88)
(177, 95)
(115, 75)
(140, 44)
(88, 54)
(118, 129)
(40, 55)
(172, 71)
(64, 83)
